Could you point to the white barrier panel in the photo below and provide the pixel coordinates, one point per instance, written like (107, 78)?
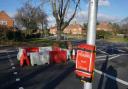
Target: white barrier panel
(45, 49)
(19, 53)
(44, 57)
(35, 58)
(44, 54)
(68, 53)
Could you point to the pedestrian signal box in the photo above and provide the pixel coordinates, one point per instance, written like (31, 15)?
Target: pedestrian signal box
(85, 62)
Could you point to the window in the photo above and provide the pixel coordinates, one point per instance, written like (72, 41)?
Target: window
(3, 22)
(0, 22)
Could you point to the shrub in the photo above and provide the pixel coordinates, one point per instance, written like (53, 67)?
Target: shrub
(103, 34)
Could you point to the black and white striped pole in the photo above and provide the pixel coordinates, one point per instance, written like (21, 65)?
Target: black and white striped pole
(91, 33)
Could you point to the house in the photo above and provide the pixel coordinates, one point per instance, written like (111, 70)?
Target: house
(5, 20)
(104, 26)
(73, 29)
(53, 30)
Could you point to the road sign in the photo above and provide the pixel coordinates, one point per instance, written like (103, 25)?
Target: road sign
(85, 62)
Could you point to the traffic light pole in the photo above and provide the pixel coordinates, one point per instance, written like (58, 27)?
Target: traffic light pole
(91, 33)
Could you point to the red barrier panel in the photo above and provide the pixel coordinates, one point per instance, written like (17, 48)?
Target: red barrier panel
(56, 48)
(58, 56)
(33, 49)
(24, 58)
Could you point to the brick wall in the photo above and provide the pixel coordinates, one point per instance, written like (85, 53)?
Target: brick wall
(4, 18)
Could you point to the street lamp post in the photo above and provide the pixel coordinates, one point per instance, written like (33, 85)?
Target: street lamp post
(91, 33)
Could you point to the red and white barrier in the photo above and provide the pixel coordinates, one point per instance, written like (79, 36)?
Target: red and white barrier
(73, 56)
(58, 56)
(24, 58)
(19, 53)
(43, 55)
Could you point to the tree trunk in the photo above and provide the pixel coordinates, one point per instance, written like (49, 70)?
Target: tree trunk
(42, 30)
(58, 33)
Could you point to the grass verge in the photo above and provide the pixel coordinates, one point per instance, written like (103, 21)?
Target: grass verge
(118, 40)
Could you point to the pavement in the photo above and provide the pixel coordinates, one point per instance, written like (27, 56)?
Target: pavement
(110, 71)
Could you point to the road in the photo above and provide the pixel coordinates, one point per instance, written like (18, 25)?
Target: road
(12, 76)
(110, 71)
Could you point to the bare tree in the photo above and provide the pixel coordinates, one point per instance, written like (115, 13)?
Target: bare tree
(115, 28)
(42, 19)
(29, 17)
(125, 29)
(60, 9)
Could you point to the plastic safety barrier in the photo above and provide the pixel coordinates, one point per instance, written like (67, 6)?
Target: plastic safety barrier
(58, 56)
(19, 53)
(32, 49)
(24, 58)
(45, 49)
(35, 59)
(44, 57)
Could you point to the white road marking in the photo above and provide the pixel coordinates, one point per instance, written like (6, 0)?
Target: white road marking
(21, 88)
(13, 67)
(105, 56)
(102, 51)
(126, 47)
(111, 77)
(10, 60)
(12, 64)
(100, 60)
(13, 55)
(124, 54)
(115, 56)
(15, 73)
(17, 79)
(121, 50)
(6, 51)
(101, 56)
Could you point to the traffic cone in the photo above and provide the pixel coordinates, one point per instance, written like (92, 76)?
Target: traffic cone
(73, 55)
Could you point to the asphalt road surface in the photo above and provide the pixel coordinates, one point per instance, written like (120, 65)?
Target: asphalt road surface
(111, 71)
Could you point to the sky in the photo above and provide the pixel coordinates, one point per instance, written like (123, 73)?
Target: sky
(108, 10)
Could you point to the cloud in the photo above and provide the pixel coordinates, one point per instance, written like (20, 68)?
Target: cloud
(51, 21)
(11, 14)
(108, 18)
(104, 3)
(50, 18)
(82, 17)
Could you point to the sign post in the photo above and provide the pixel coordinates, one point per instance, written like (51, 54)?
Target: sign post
(85, 58)
(91, 33)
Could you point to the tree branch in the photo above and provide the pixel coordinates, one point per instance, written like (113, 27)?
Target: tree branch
(73, 15)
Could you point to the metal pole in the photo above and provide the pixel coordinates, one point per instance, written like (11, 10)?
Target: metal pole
(91, 33)
(92, 15)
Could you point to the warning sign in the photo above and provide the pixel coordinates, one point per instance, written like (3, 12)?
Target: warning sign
(85, 62)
